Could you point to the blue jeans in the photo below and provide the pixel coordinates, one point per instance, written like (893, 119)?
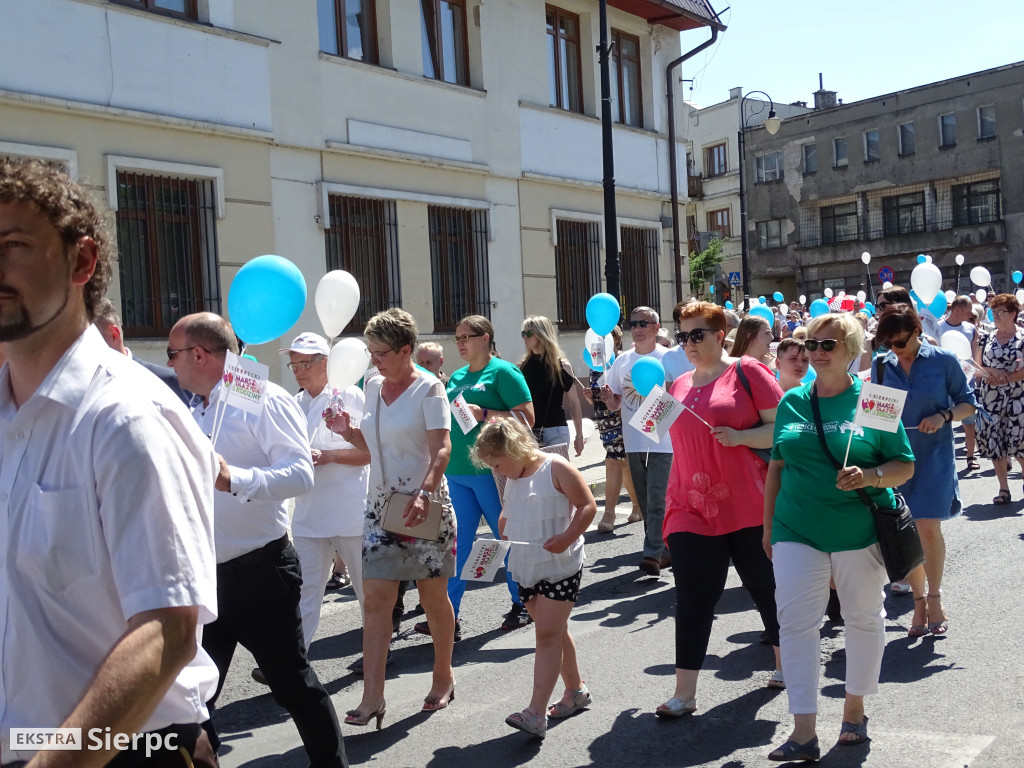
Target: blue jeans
(473, 496)
(650, 473)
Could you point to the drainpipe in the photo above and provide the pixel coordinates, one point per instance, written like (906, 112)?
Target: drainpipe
(673, 172)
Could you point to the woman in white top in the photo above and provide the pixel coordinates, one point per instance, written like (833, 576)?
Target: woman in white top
(404, 427)
(548, 506)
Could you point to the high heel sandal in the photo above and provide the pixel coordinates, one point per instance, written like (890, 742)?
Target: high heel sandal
(433, 703)
(356, 717)
(918, 630)
(941, 626)
(607, 524)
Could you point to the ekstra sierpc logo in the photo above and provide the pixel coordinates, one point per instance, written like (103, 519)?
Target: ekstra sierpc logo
(70, 739)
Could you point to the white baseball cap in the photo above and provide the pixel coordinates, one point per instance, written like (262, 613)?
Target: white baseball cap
(309, 344)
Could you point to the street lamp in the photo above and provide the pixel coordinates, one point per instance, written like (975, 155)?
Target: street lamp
(771, 124)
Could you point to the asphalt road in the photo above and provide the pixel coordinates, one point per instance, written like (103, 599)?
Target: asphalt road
(945, 702)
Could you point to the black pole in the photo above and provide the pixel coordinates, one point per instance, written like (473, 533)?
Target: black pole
(611, 233)
(673, 174)
(867, 273)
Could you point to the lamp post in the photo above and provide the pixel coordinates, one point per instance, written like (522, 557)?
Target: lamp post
(771, 124)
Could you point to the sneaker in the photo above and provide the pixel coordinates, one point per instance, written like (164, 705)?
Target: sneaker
(258, 676)
(424, 629)
(516, 618)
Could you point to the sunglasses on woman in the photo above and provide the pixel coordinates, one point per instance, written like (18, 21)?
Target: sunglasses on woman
(827, 345)
(893, 344)
(527, 334)
(696, 335)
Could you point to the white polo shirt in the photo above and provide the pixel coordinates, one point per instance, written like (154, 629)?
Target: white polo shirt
(620, 380)
(337, 504)
(269, 459)
(106, 497)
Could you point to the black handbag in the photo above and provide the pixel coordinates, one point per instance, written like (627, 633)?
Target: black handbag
(897, 532)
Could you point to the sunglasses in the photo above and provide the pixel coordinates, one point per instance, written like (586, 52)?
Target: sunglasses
(527, 334)
(466, 337)
(641, 323)
(827, 345)
(696, 335)
(893, 344)
(880, 306)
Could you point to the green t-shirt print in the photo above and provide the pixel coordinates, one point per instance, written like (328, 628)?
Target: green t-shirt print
(498, 386)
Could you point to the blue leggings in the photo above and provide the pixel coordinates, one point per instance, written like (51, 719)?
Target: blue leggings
(473, 496)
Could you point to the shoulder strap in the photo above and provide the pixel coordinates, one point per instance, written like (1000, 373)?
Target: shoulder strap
(824, 446)
(743, 378)
(881, 371)
(376, 424)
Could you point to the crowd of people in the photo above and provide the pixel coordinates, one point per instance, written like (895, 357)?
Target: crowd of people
(751, 477)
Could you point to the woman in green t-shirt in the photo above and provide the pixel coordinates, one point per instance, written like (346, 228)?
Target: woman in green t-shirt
(491, 388)
(816, 528)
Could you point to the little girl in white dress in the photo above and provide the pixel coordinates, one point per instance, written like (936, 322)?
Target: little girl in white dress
(547, 505)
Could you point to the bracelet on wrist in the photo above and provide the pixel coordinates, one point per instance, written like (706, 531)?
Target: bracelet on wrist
(422, 492)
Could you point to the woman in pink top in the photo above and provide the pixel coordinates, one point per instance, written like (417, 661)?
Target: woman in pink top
(715, 501)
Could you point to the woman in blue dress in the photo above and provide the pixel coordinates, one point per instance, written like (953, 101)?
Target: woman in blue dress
(938, 395)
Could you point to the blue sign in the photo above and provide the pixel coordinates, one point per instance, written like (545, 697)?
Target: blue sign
(885, 275)
(734, 278)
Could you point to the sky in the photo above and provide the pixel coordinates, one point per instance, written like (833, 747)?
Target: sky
(862, 49)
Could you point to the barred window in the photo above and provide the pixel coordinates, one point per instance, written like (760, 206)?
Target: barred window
(640, 247)
(167, 246)
(838, 223)
(715, 162)
(770, 235)
(363, 240)
(975, 203)
(577, 270)
(903, 214)
(458, 264)
(769, 167)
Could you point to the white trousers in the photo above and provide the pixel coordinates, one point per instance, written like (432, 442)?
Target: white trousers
(316, 556)
(802, 576)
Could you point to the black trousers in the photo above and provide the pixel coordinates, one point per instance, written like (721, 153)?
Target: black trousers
(700, 565)
(258, 602)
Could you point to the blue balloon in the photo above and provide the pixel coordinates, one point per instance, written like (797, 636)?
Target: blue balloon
(810, 376)
(938, 306)
(266, 299)
(602, 313)
(728, 305)
(1017, 276)
(818, 307)
(711, 290)
(767, 314)
(589, 360)
(778, 296)
(921, 258)
(990, 318)
(647, 372)
(761, 300)
(869, 307)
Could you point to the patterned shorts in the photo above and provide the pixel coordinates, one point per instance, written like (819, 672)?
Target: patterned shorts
(566, 589)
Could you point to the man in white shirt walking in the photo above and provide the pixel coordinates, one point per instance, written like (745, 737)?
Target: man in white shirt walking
(329, 518)
(106, 496)
(650, 463)
(264, 460)
(960, 312)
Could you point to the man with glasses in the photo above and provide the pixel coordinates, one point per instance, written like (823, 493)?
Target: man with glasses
(960, 312)
(264, 459)
(649, 462)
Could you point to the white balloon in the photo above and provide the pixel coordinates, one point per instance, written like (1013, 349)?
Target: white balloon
(959, 259)
(336, 301)
(1020, 295)
(865, 257)
(950, 295)
(803, 299)
(347, 363)
(609, 344)
(886, 285)
(588, 431)
(828, 293)
(926, 280)
(980, 294)
(928, 259)
(861, 296)
(956, 343)
(980, 277)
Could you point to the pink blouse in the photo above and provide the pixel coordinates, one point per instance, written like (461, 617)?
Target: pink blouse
(713, 489)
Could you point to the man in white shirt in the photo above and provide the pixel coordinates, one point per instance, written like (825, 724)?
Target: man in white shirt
(106, 532)
(960, 311)
(329, 518)
(650, 463)
(264, 460)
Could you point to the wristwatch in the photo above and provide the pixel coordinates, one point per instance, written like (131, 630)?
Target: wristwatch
(423, 493)
(878, 473)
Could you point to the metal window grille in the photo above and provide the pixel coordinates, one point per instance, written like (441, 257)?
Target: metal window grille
(903, 214)
(363, 240)
(167, 244)
(839, 223)
(640, 248)
(975, 203)
(577, 270)
(458, 264)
